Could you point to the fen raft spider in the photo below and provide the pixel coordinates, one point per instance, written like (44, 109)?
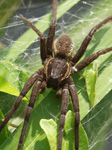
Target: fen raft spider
(56, 74)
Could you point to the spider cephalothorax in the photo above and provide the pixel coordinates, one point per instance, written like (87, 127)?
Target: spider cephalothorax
(56, 73)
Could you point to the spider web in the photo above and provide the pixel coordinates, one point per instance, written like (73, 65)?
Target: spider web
(76, 22)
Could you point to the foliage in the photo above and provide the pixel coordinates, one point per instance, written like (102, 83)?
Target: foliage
(13, 77)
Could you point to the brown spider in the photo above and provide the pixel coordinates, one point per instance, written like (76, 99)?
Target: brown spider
(57, 74)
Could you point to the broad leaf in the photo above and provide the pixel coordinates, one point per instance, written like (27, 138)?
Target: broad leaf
(15, 74)
(98, 123)
(51, 130)
(90, 79)
(18, 49)
(5, 7)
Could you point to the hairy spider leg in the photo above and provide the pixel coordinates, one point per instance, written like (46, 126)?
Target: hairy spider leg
(28, 111)
(89, 59)
(52, 29)
(87, 40)
(24, 91)
(75, 102)
(59, 93)
(64, 105)
(43, 87)
(43, 52)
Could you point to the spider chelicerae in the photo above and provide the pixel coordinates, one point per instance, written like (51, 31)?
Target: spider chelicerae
(56, 74)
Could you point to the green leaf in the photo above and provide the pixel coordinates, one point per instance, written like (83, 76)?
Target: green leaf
(51, 130)
(34, 132)
(104, 82)
(7, 87)
(4, 134)
(49, 107)
(98, 123)
(11, 78)
(90, 78)
(10, 7)
(17, 49)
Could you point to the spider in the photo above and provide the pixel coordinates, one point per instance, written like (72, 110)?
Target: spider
(57, 74)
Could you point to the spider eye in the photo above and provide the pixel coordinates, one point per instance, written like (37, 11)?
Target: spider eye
(63, 47)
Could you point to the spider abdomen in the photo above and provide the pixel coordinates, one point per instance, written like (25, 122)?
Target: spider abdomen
(56, 71)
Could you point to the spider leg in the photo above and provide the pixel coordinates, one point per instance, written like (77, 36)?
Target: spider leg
(42, 38)
(28, 111)
(52, 28)
(59, 93)
(43, 87)
(24, 91)
(75, 101)
(87, 40)
(64, 105)
(89, 59)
